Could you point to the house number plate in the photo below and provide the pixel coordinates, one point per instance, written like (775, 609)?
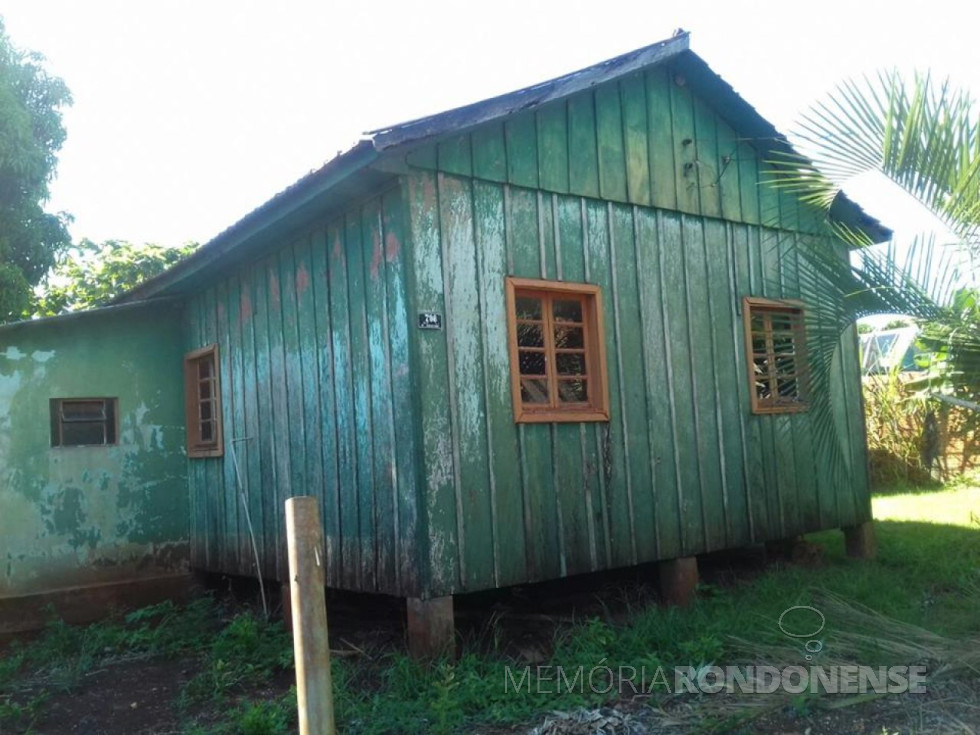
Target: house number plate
(430, 320)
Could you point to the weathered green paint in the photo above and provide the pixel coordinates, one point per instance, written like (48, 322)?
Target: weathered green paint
(76, 516)
(315, 370)
(643, 139)
(683, 467)
(407, 436)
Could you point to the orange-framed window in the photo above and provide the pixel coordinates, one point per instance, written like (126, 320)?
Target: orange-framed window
(557, 351)
(775, 342)
(202, 393)
(84, 422)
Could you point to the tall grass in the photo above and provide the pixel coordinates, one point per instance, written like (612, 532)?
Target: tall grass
(895, 419)
(914, 439)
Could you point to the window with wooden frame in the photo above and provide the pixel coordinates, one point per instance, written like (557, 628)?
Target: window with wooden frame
(83, 422)
(775, 342)
(557, 351)
(202, 402)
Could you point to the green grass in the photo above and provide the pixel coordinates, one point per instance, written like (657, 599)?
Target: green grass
(247, 652)
(64, 653)
(926, 574)
(958, 506)
(240, 652)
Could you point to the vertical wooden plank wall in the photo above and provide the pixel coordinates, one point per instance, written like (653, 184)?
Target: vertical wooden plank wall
(407, 436)
(316, 400)
(639, 187)
(682, 466)
(645, 139)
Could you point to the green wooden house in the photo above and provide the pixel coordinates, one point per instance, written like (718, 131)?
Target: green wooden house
(554, 332)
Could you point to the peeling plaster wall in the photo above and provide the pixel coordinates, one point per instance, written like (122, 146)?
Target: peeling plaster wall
(75, 516)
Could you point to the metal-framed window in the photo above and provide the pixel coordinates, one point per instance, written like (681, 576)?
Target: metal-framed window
(202, 391)
(775, 343)
(83, 422)
(557, 351)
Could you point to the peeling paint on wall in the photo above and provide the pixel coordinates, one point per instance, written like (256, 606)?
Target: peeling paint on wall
(74, 516)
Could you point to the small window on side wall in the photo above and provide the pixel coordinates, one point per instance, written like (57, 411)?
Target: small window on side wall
(557, 351)
(203, 403)
(83, 422)
(775, 343)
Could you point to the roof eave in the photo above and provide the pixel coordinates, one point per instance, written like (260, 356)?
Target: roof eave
(74, 316)
(291, 203)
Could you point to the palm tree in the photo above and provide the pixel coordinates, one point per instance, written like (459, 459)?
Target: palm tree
(923, 136)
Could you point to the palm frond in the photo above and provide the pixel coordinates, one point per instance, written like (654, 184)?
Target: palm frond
(920, 134)
(926, 284)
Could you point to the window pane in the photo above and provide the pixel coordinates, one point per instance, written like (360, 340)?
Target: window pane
(788, 388)
(205, 410)
(569, 337)
(204, 367)
(205, 389)
(534, 390)
(528, 308)
(530, 335)
(83, 432)
(785, 365)
(573, 391)
(778, 365)
(533, 363)
(207, 431)
(782, 321)
(83, 410)
(571, 364)
(567, 311)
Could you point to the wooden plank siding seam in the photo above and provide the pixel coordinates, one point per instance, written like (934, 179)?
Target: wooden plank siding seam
(719, 428)
(741, 390)
(613, 294)
(649, 388)
(685, 545)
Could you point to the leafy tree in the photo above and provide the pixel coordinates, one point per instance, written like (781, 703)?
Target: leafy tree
(31, 133)
(898, 324)
(90, 273)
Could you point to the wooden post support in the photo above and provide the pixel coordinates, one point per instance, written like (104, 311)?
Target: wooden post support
(314, 693)
(678, 579)
(431, 631)
(859, 540)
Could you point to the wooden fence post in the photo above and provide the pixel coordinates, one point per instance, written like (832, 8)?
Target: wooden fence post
(314, 693)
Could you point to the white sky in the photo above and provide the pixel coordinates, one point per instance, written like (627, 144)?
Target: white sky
(190, 113)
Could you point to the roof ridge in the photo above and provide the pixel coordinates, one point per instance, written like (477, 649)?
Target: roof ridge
(475, 113)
